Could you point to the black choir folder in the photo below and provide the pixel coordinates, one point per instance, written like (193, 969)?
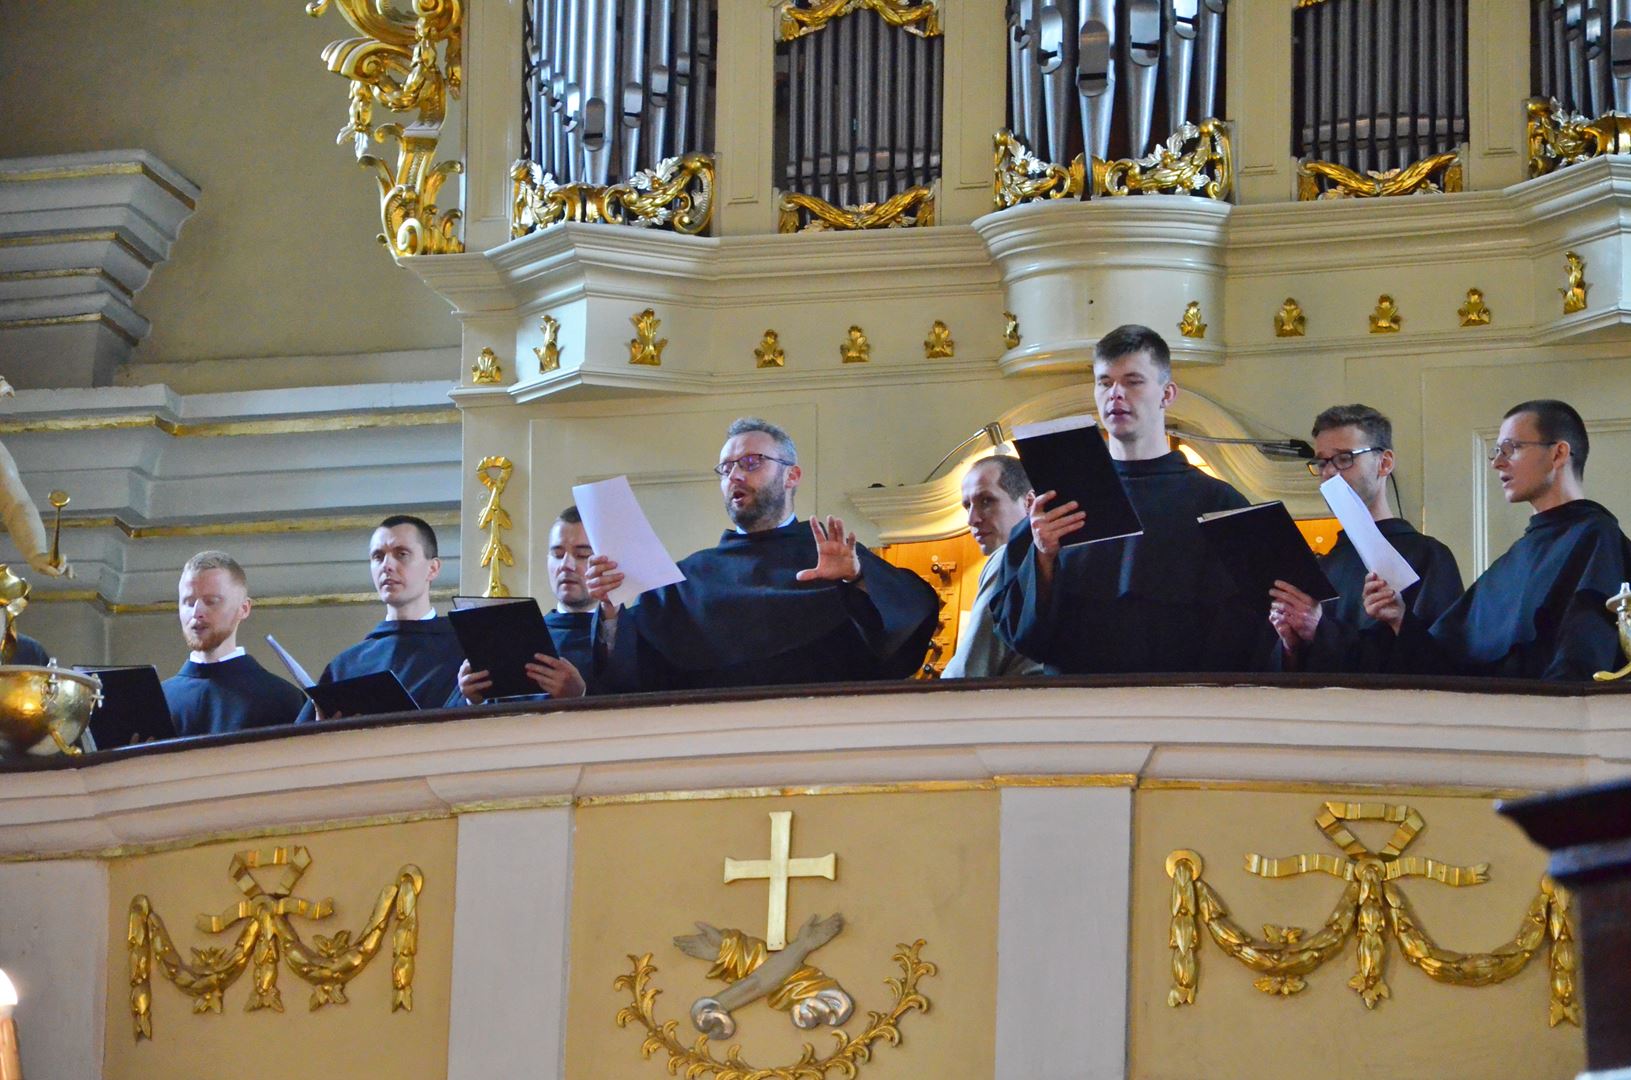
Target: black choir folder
(1261, 545)
(1069, 456)
(501, 639)
(133, 707)
(373, 694)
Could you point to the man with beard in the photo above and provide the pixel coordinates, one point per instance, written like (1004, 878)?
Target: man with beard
(777, 601)
(412, 640)
(572, 625)
(1158, 602)
(1357, 441)
(997, 496)
(221, 687)
(1539, 611)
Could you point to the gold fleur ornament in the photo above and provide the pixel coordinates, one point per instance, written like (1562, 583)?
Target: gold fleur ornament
(487, 371)
(1289, 320)
(646, 348)
(769, 352)
(1010, 329)
(1574, 297)
(855, 348)
(1474, 312)
(939, 345)
(549, 354)
(1386, 318)
(1190, 325)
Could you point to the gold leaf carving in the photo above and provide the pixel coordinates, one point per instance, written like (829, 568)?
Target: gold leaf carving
(1342, 182)
(921, 18)
(912, 208)
(494, 474)
(677, 194)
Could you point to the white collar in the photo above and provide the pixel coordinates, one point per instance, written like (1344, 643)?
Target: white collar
(233, 655)
(788, 520)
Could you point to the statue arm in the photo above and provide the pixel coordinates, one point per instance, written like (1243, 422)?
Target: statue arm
(22, 518)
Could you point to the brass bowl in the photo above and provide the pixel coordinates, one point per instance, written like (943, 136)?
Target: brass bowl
(36, 702)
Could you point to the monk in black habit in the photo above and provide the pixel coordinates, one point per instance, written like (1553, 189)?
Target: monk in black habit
(221, 687)
(1357, 441)
(412, 640)
(573, 624)
(1538, 612)
(1152, 603)
(778, 601)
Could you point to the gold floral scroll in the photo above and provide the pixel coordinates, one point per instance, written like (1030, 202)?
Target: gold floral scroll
(913, 207)
(677, 194)
(264, 938)
(1022, 177)
(1195, 160)
(1328, 180)
(1559, 138)
(395, 64)
(921, 17)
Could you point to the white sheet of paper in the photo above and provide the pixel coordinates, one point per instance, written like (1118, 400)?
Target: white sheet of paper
(1379, 556)
(618, 529)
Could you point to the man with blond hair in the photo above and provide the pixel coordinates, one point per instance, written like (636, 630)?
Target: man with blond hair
(221, 687)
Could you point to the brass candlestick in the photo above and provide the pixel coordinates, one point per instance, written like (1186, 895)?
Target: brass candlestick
(1620, 606)
(58, 499)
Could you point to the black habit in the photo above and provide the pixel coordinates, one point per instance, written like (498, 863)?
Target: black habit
(741, 619)
(229, 695)
(424, 653)
(1160, 602)
(1345, 638)
(1538, 612)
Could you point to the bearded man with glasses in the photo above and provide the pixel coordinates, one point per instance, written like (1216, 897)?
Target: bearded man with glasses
(1356, 442)
(777, 601)
(1538, 612)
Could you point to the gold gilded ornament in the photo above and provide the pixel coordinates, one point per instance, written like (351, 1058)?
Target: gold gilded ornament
(1010, 329)
(1474, 312)
(1190, 325)
(922, 19)
(1289, 320)
(486, 371)
(549, 354)
(677, 194)
(1343, 183)
(1574, 297)
(1619, 606)
(1022, 177)
(912, 208)
(855, 348)
(773, 970)
(769, 351)
(1372, 908)
(395, 65)
(646, 348)
(1386, 318)
(1559, 138)
(265, 937)
(1196, 158)
(494, 474)
(939, 345)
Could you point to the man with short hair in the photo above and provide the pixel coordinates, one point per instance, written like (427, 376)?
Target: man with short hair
(1158, 602)
(777, 601)
(997, 496)
(221, 687)
(412, 641)
(1538, 612)
(1357, 442)
(572, 624)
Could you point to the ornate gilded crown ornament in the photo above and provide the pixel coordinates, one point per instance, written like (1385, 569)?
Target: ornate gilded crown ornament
(769, 351)
(775, 970)
(1619, 606)
(265, 938)
(1386, 318)
(1190, 326)
(1371, 907)
(855, 348)
(1474, 312)
(646, 348)
(1574, 296)
(1289, 320)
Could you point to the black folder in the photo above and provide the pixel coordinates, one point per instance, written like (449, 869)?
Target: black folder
(502, 639)
(363, 695)
(1069, 456)
(1261, 545)
(133, 708)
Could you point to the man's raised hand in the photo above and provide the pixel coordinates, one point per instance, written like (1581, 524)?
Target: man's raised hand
(836, 557)
(602, 579)
(1049, 527)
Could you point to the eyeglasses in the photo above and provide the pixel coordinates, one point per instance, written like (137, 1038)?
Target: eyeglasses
(1341, 461)
(748, 462)
(1508, 447)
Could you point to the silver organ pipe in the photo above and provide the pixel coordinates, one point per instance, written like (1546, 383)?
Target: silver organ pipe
(1096, 74)
(1183, 18)
(1143, 56)
(1619, 53)
(1209, 56)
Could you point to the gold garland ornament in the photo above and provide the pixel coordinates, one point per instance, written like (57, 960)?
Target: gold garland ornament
(1341, 182)
(920, 17)
(697, 1059)
(912, 208)
(1371, 908)
(1196, 159)
(494, 474)
(395, 65)
(265, 936)
(677, 194)
(1559, 138)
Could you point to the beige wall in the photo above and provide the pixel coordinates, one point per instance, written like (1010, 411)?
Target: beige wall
(360, 1038)
(1425, 1029)
(909, 866)
(280, 258)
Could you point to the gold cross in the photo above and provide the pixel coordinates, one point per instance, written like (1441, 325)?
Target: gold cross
(777, 870)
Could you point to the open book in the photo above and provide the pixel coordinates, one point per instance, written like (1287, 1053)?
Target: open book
(1261, 545)
(1069, 456)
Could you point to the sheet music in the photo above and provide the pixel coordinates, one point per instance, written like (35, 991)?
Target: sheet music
(300, 677)
(618, 529)
(1379, 556)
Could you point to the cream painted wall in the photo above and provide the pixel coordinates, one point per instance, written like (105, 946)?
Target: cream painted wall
(280, 258)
